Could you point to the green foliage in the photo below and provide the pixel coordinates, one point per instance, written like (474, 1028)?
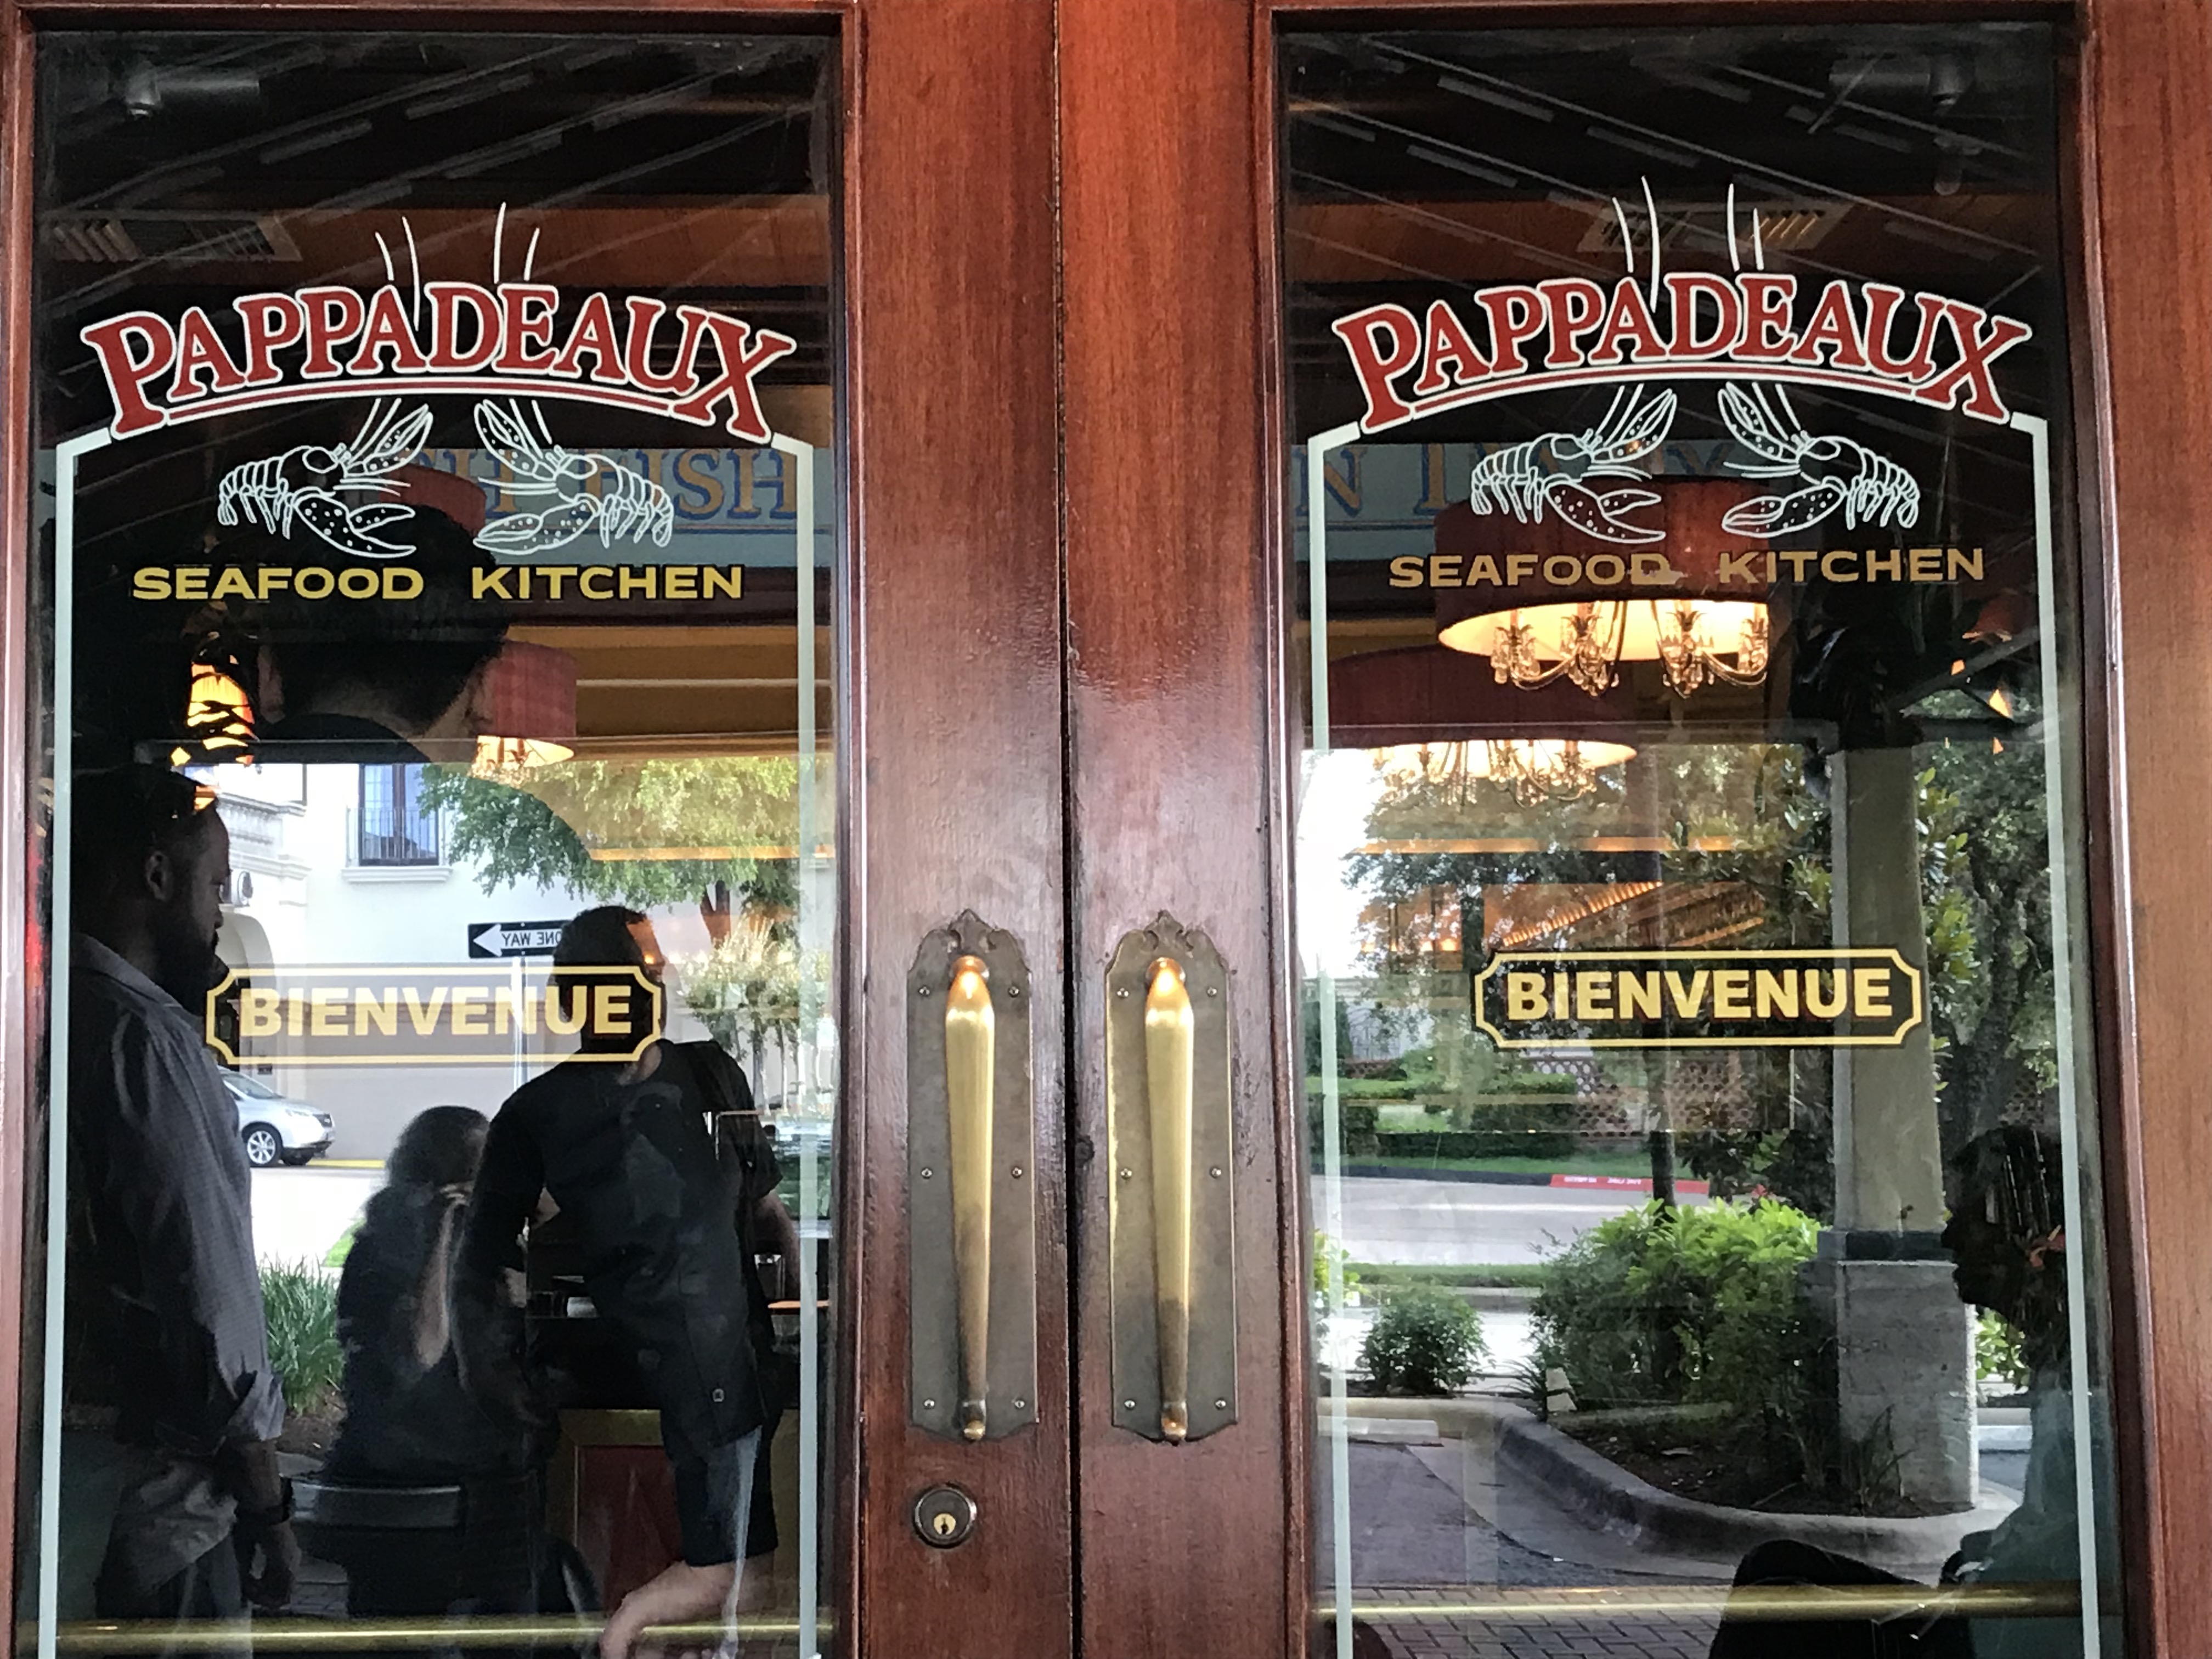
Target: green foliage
(1688, 1307)
(300, 1305)
(1387, 1276)
(2000, 1350)
(545, 824)
(1328, 1254)
(1425, 1342)
(1985, 881)
(1796, 1165)
(1356, 1121)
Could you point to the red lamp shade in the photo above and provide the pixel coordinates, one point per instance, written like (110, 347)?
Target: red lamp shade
(529, 707)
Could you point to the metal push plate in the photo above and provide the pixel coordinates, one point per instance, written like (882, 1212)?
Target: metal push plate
(1212, 1373)
(934, 1394)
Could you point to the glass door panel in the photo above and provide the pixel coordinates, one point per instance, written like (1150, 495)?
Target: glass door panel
(1689, 856)
(438, 591)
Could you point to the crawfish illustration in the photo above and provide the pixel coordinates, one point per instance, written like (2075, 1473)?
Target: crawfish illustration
(301, 486)
(1549, 471)
(626, 507)
(1839, 472)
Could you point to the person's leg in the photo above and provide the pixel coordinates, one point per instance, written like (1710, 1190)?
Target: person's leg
(208, 1589)
(756, 1589)
(717, 1488)
(94, 1471)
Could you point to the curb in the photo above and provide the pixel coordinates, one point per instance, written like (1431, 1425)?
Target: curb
(1640, 1514)
(1515, 1178)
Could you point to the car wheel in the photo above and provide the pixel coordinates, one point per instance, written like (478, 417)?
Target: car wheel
(263, 1148)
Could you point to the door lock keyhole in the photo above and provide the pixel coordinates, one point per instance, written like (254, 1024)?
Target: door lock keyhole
(944, 1516)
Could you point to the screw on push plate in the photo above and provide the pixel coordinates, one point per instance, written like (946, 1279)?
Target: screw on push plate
(944, 1516)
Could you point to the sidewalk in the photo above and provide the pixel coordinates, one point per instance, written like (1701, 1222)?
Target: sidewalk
(1541, 1633)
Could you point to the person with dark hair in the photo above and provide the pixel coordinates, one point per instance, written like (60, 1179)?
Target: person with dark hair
(617, 1136)
(2007, 1237)
(171, 1500)
(381, 681)
(431, 1504)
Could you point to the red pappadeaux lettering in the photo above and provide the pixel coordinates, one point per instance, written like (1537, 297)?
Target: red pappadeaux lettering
(1570, 331)
(516, 337)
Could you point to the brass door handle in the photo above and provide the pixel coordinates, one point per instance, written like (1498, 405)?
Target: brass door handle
(971, 1215)
(1169, 1053)
(971, 1034)
(1172, 1126)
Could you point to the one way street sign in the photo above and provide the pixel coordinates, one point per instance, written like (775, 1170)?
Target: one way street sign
(513, 939)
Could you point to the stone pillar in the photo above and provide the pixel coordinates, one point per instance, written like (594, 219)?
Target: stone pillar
(1904, 1368)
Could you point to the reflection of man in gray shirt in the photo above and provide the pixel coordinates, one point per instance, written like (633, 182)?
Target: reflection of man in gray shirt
(171, 1407)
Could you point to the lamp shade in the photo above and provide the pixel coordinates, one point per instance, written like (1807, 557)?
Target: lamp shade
(1493, 568)
(528, 706)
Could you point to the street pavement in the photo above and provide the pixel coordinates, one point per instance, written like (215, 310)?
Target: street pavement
(1414, 1222)
(298, 1214)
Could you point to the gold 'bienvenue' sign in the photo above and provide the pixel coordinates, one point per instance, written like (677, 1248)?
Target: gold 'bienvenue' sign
(1802, 999)
(449, 1014)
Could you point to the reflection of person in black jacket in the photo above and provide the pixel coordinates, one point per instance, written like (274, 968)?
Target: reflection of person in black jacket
(622, 1146)
(470, 1535)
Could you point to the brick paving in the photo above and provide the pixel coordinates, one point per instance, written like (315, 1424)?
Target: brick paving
(1544, 1636)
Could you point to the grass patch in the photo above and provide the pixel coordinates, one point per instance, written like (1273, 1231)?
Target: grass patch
(1451, 1275)
(339, 1251)
(300, 1302)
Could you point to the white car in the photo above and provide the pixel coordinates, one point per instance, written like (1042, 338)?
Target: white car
(276, 1130)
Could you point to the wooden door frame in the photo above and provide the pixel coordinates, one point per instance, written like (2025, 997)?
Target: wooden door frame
(951, 477)
(2146, 404)
(2136, 166)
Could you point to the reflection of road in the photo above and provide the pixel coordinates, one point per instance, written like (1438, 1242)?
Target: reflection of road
(298, 1214)
(1464, 1221)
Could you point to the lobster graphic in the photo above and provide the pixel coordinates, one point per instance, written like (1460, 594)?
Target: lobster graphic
(301, 486)
(1869, 488)
(1549, 471)
(626, 507)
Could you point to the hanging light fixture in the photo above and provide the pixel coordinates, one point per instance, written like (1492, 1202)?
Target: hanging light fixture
(1437, 717)
(1536, 769)
(1545, 602)
(529, 700)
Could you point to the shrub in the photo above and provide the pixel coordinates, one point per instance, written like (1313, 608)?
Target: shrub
(1425, 1342)
(300, 1304)
(1690, 1306)
(1356, 1119)
(1998, 1355)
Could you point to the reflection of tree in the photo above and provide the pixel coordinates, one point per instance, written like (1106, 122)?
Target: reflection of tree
(636, 832)
(719, 831)
(746, 990)
(1749, 820)
(1986, 885)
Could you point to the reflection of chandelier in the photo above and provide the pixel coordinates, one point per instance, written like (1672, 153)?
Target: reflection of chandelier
(1536, 770)
(1545, 602)
(1697, 642)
